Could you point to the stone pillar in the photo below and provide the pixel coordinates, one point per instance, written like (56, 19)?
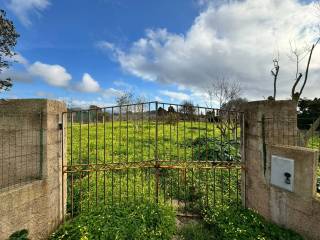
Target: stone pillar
(265, 122)
(37, 205)
(270, 128)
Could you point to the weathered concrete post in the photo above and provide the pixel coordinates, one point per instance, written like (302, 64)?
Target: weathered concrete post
(36, 205)
(256, 189)
(270, 129)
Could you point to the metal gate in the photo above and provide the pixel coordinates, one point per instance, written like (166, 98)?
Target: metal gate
(184, 155)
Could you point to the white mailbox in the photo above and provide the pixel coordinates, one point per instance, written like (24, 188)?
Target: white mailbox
(282, 172)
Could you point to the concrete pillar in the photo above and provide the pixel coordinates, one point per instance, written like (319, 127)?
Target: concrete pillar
(279, 127)
(36, 205)
(270, 128)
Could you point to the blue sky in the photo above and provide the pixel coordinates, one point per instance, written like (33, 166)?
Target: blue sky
(89, 52)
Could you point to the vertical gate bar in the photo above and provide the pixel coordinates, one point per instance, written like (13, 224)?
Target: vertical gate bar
(237, 182)
(178, 154)
(96, 155)
(134, 151)
(71, 154)
(163, 134)
(88, 156)
(142, 153)
(178, 146)
(199, 156)
(170, 149)
(192, 187)
(205, 112)
(222, 190)
(156, 158)
(228, 135)
(163, 148)
(207, 187)
(127, 152)
(214, 186)
(120, 154)
(170, 134)
(149, 151)
(104, 155)
(185, 157)
(62, 163)
(112, 152)
(171, 186)
(80, 159)
(229, 182)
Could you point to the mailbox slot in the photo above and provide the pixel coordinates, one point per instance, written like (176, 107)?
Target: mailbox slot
(282, 172)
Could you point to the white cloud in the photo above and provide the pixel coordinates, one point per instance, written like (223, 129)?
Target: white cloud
(84, 104)
(175, 95)
(88, 84)
(54, 75)
(237, 39)
(23, 8)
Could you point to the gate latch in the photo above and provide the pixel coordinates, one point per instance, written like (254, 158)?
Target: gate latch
(288, 176)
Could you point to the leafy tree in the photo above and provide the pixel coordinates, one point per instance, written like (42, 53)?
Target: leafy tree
(187, 108)
(8, 40)
(309, 112)
(171, 109)
(308, 119)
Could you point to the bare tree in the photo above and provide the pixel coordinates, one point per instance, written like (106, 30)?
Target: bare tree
(125, 99)
(298, 57)
(275, 73)
(223, 90)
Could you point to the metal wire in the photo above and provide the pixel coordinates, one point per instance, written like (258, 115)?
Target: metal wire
(21, 149)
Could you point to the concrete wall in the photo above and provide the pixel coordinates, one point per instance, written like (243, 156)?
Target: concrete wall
(298, 210)
(20, 148)
(36, 205)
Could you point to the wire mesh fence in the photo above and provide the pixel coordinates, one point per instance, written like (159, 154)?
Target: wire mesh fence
(298, 131)
(20, 149)
(183, 155)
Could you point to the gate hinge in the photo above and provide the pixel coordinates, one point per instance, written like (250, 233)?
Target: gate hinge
(60, 126)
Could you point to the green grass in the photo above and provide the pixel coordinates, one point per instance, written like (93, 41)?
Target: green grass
(101, 202)
(135, 141)
(122, 142)
(229, 222)
(143, 220)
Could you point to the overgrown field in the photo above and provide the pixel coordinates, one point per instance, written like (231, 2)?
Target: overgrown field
(109, 200)
(116, 145)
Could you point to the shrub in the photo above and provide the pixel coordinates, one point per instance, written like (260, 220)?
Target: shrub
(238, 223)
(20, 235)
(121, 221)
(215, 149)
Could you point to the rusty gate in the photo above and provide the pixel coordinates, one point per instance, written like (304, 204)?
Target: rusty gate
(183, 155)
